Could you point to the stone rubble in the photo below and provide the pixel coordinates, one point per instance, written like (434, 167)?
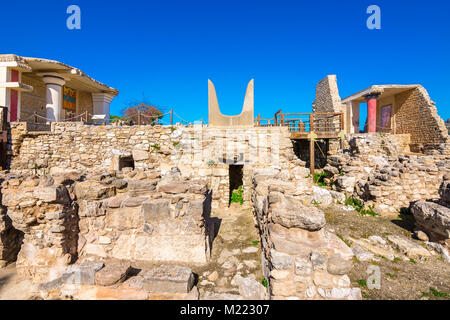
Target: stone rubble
(300, 258)
(433, 218)
(379, 170)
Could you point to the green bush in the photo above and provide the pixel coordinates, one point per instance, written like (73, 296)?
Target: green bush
(359, 206)
(264, 282)
(319, 179)
(236, 196)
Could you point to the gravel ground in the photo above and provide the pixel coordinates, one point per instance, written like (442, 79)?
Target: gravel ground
(401, 279)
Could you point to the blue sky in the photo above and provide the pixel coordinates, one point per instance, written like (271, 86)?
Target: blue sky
(167, 50)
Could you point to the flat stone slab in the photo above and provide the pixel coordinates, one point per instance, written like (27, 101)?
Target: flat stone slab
(112, 273)
(173, 187)
(134, 201)
(408, 247)
(138, 188)
(169, 279)
(78, 274)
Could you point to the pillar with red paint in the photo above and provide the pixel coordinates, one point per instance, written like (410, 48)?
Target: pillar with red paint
(372, 112)
(14, 104)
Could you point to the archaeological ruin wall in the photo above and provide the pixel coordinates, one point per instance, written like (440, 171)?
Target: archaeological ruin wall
(197, 151)
(379, 169)
(417, 115)
(133, 216)
(327, 96)
(301, 260)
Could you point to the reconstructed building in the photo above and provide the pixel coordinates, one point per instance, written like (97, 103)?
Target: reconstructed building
(395, 109)
(50, 89)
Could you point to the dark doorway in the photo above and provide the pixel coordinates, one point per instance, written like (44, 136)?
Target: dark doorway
(236, 181)
(321, 147)
(126, 162)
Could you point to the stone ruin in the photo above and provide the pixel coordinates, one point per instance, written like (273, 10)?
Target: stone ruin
(88, 218)
(433, 217)
(107, 212)
(300, 258)
(115, 212)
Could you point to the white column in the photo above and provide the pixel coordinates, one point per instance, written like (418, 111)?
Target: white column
(53, 97)
(4, 102)
(101, 102)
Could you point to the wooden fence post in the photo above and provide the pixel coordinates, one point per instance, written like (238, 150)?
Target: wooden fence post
(139, 117)
(171, 117)
(86, 116)
(312, 156)
(35, 117)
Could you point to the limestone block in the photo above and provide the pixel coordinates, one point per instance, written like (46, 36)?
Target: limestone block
(95, 249)
(140, 155)
(93, 190)
(124, 218)
(173, 248)
(173, 187)
(157, 209)
(169, 279)
(293, 213)
(336, 265)
(250, 289)
(123, 247)
(410, 248)
(280, 260)
(322, 196)
(88, 208)
(112, 273)
(433, 218)
(141, 188)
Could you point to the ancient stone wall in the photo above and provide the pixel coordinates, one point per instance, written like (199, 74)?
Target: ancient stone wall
(328, 101)
(10, 238)
(433, 217)
(132, 215)
(197, 151)
(46, 215)
(301, 259)
(85, 103)
(417, 115)
(379, 170)
(327, 96)
(34, 101)
(146, 219)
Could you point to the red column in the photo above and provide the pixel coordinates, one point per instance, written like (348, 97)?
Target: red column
(372, 112)
(14, 97)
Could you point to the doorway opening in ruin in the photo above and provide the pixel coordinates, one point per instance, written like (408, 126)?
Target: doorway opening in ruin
(321, 147)
(126, 162)
(236, 173)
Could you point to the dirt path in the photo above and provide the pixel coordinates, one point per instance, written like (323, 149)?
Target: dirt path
(12, 287)
(402, 278)
(235, 251)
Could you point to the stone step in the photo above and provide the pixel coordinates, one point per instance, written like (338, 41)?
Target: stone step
(168, 279)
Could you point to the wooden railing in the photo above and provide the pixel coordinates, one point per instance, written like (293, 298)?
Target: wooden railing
(304, 122)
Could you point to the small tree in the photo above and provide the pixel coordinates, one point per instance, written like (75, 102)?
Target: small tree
(149, 113)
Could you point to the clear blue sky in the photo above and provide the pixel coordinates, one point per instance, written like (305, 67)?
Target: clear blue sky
(167, 50)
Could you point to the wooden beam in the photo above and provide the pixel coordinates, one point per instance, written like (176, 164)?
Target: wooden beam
(311, 157)
(320, 135)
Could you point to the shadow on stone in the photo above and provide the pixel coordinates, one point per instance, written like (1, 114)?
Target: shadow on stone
(405, 220)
